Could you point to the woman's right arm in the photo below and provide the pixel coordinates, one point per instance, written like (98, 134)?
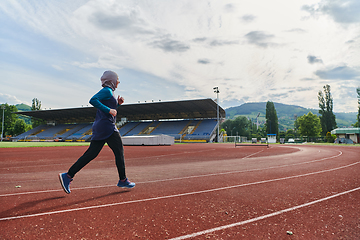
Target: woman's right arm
(103, 94)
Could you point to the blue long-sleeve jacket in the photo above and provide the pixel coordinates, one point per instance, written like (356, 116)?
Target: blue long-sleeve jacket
(104, 124)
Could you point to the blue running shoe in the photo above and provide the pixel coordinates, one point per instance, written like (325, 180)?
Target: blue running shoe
(126, 184)
(65, 182)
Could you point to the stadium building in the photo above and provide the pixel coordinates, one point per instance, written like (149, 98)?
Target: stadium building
(185, 121)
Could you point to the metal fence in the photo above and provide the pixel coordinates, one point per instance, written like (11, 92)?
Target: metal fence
(232, 139)
(304, 139)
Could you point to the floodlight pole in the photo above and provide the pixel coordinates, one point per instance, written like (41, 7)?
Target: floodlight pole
(2, 128)
(216, 90)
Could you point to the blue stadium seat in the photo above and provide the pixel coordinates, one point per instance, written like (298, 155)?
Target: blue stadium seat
(200, 130)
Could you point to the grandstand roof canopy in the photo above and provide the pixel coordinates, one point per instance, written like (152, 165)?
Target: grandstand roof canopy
(187, 109)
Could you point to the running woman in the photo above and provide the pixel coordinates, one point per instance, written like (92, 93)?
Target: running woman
(103, 131)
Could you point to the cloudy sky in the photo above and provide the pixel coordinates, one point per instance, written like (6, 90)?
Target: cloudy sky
(281, 50)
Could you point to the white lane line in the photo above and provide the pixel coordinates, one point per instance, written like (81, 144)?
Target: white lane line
(262, 217)
(252, 154)
(174, 154)
(179, 178)
(176, 195)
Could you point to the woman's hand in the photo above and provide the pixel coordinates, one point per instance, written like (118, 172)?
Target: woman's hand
(113, 112)
(120, 100)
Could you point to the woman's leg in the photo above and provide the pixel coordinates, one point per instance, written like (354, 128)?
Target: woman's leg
(115, 143)
(91, 153)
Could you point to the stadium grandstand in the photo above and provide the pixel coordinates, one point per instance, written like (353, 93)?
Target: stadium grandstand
(186, 121)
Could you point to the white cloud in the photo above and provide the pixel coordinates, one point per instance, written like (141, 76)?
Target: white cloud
(341, 11)
(10, 99)
(260, 38)
(248, 18)
(314, 59)
(339, 73)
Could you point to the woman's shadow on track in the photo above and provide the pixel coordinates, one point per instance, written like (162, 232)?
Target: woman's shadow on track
(29, 208)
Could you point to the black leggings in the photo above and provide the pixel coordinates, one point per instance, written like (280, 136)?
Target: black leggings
(114, 142)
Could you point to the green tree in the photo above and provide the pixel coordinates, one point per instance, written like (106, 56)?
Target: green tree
(290, 134)
(272, 124)
(282, 134)
(330, 138)
(309, 125)
(36, 106)
(9, 119)
(240, 126)
(358, 115)
(20, 127)
(327, 118)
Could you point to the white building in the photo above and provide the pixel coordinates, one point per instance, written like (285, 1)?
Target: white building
(271, 138)
(348, 133)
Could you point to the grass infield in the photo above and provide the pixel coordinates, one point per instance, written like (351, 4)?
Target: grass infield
(41, 144)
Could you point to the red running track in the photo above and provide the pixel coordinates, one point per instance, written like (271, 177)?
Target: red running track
(187, 191)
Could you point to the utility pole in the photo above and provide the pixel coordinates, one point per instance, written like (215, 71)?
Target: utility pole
(216, 90)
(2, 128)
(257, 121)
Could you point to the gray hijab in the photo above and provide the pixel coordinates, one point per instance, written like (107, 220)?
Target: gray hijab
(109, 79)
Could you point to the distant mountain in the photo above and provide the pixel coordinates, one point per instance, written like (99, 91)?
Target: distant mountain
(286, 114)
(23, 107)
